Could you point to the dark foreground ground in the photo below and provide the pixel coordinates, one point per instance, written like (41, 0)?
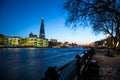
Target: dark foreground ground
(109, 66)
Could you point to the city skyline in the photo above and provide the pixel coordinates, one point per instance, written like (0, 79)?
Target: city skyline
(21, 17)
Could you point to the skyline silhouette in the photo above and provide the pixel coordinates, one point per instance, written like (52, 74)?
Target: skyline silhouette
(20, 17)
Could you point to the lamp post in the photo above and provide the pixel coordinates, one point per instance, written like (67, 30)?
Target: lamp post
(108, 51)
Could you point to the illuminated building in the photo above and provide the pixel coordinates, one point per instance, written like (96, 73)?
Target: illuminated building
(35, 41)
(31, 41)
(24, 42)
(16, 41)
(42, 42)
(7, 41)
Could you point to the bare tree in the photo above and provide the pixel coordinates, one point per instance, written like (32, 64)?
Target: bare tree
(102, 15)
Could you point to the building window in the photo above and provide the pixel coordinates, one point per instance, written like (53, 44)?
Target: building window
(19, 41)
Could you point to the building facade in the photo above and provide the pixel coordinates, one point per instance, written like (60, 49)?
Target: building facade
(7, 41)
(16, 41)
(31, 41)
(42, 30)
(34, 41)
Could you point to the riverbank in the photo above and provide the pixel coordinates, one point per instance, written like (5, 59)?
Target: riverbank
(21, 47)
(109, 66)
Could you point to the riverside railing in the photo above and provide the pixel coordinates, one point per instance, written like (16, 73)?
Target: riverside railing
(66, 72)
(73, 70)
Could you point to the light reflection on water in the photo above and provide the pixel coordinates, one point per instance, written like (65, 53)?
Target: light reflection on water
(30, 63)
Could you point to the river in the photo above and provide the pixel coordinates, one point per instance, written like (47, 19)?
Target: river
(31, 63)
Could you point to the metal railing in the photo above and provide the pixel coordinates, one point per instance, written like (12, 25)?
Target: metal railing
(70, 71)
(65, 73)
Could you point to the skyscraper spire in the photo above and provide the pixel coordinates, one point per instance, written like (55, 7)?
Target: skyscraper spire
(42, 31)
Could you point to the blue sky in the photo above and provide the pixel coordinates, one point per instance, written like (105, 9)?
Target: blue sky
(20, 17)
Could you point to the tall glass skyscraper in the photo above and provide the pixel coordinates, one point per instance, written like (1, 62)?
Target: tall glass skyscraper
(42, 31)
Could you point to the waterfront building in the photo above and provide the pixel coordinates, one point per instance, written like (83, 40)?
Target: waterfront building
(39, 42)
(66, 44)
(15, 41)
(42, 42)
(53, 40)
(52, 43)
(73, 45)
(58, 45)
(1, 40)
(36, 42)
(7, 41)
(31, 35)
(31, 41)
(24, 42)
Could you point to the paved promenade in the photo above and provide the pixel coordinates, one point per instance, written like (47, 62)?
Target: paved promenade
(109, 66)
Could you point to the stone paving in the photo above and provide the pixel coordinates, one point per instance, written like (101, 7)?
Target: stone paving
(109, 66)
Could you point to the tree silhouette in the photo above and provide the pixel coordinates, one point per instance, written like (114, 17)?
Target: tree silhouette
(102, 15)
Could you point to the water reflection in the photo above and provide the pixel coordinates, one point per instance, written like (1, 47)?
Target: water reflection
(30, 63)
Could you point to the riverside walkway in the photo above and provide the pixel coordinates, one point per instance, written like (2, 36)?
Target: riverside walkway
(109, 67)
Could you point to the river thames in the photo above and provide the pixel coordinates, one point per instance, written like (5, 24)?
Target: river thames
(31, 63)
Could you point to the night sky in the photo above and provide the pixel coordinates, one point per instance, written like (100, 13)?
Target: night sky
(20, 17)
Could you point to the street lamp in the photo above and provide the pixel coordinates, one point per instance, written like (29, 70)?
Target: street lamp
(108, 51)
